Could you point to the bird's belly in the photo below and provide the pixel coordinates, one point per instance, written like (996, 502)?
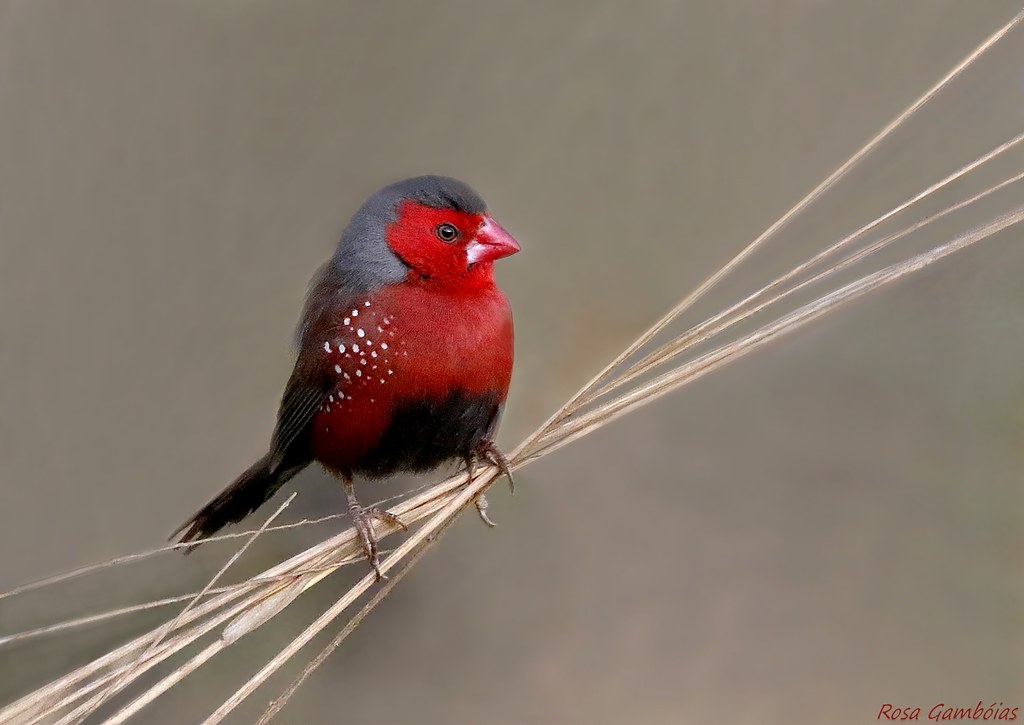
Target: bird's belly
(424, 433)
(418, 434)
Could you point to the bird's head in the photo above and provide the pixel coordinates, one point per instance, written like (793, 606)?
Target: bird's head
(431, 230)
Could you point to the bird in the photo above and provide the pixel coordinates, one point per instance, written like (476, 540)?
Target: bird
(405, 352)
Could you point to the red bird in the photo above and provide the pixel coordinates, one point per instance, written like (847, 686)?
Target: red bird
(405, 354)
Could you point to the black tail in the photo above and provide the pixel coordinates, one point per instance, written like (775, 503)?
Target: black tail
(250, 491)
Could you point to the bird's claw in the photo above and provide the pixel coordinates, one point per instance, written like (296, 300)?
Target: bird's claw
(481, 508)
(362, 519)
(489, 452)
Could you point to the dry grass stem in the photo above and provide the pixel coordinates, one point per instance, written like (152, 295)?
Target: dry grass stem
(276, 705)
(676, 378)
(782, 221)
(157, 603)
(148, 553)
(162, 632)
(308, 567)
(709, 329)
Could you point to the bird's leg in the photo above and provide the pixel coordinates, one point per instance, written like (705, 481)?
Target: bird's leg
(481, 500)
(362, 519)
(489, 452)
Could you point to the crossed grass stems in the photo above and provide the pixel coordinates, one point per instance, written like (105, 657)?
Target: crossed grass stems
(636, 377)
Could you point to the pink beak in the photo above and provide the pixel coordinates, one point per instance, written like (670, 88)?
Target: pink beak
(491, 242)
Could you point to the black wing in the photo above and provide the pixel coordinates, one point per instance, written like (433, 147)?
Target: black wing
(289, 451)
(310, 382)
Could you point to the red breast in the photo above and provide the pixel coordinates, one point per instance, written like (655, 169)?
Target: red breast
(405, 343)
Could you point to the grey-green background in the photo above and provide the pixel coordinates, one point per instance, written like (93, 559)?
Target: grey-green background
(827, 526)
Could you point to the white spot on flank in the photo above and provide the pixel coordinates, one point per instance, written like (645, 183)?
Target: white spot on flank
(327, 346)
(369, 342)
(382, 381)
(383, 346)
(367, 303)
(355, 349)
(359, 373)
(360, 332)
(347, 377)
(355, 313)
(391, 372)
(341, 348)
(337, 368)
(347, 321)
(373, 354)
(380, 329)
(330, 398)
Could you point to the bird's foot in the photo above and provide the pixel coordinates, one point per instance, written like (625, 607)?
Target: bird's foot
(362, 519)
(489, 452)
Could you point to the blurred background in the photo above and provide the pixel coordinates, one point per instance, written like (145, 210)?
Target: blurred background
(826, 526)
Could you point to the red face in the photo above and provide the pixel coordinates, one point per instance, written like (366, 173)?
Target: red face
(444, 246)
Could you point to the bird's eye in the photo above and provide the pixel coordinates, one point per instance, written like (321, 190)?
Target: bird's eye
(446, 232)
